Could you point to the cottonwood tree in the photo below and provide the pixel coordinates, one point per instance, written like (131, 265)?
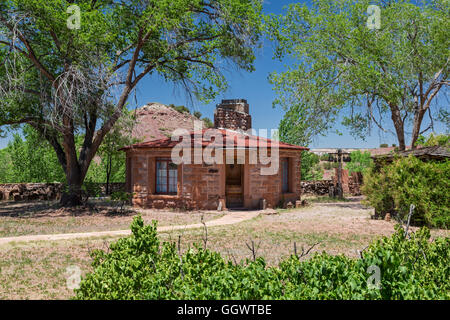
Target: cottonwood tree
(344, 66)
(65, 81)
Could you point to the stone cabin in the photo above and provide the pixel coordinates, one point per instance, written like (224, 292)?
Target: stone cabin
(228, 166)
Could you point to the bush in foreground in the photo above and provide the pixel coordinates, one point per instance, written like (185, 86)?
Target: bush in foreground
(139, 267)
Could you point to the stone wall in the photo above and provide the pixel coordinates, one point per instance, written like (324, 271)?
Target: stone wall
(350, 185)
(30, 191)
(268, 187)
(42, 191)
(318, 187)
(233, 114)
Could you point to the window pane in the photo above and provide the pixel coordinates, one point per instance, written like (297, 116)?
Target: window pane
(173, 178)
(161, 177)
(166, 176)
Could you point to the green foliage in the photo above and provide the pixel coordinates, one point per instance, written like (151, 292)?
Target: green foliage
(434, 140)
(394, 187)
(112, 161)
(340, 68)
(310, 168)
(208, 123)
(139, 267)
(360, 161)
(297, 127)
(197, 114)
(122, 198)
(180, 109)
(293, 130)
(77, 82)
(324, 157)
(32, 159)
(29, 159)
(90, 190)
(384, 145)
(330, 165)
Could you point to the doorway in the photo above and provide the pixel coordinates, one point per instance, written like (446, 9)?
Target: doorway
(234, 187)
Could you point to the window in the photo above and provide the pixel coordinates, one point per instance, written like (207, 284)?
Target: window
(285, 175)
(166, 176)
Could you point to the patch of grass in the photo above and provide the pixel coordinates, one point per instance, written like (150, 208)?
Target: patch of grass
(18, 220)
(326, 199)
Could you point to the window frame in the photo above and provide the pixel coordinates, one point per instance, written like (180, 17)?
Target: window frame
(168, 161)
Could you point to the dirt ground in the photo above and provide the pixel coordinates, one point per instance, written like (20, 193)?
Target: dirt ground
(37, 270)
(29, 218)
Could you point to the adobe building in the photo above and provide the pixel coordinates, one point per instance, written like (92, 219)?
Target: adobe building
(220, 168)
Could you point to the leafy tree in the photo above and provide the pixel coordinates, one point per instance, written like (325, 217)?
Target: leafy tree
(64, 81)
(112, 159)
(343, 67)
(296, 127)
(295, 132)
(434, 140)
(360, 161)
(29, 160)
(6, 175)
(310, 168)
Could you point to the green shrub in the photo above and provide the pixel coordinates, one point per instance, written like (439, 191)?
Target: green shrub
(180, 109)
(121, 198)
(197, 114)
(310, 167)
(90, 189)
(139, 267)
(208, 123)
(330, 165)
(360, 161)
(394, 187)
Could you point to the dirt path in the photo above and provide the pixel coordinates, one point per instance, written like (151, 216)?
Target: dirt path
(230, 218)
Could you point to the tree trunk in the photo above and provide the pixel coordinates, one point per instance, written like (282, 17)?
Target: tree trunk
(398, 124)
(73, 195)
(418, 117)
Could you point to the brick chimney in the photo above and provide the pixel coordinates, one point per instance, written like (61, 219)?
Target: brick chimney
(233, 114)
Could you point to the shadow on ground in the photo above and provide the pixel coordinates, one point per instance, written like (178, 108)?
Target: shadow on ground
(44, 209)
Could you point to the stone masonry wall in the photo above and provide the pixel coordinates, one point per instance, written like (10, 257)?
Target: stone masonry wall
(42, 191)
(202, 186)
(230, 119)
(318, 187)
(268, 187)
(233, 114)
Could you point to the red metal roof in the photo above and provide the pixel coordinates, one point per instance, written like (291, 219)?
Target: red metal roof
(230, 138)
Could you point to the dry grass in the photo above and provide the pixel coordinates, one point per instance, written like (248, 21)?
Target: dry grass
(37, 270)
(17, 219)
(339, 228)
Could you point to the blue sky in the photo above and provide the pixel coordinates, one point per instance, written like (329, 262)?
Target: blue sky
(256, 89)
